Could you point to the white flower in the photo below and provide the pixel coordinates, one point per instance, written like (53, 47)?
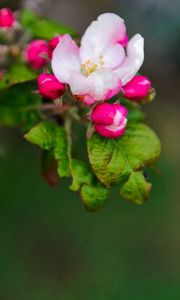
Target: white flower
(99, 68)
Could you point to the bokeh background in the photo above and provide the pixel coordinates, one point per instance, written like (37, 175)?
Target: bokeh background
(50, 247)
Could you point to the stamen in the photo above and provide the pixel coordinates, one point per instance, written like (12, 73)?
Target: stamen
(89, 67)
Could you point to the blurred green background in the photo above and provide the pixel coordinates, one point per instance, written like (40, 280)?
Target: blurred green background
(50, 247)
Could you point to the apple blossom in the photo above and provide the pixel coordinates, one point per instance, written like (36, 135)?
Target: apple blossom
(137, 89)
(109, 119)
(7, 18)
(36, 53)
(100, 67)
(50, 87)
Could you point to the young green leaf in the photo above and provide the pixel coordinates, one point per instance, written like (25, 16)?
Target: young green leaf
(93, 193)
(136, 189)
(42, 28)
(81, 174)
(94, 197)
(52, 137)
(113, 160)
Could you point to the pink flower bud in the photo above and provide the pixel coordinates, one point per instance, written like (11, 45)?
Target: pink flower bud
(50, 87)
(36, 54)
(52, 45)
(7, 18)
(110, 119)
(137, 89)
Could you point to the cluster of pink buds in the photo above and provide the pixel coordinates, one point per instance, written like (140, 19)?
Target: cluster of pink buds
(39, 51)
(37, 54)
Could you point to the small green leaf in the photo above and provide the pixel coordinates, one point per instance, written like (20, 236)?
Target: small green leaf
(52, 137)
(113, 160)
(42, 28)
(94, 197)
(136, 189)
(43, 135)
(18, 73)
(93, 193)
(81, 174)
(17, 106)
(108, 161)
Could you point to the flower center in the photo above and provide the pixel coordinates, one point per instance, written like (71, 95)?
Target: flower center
(89, 66)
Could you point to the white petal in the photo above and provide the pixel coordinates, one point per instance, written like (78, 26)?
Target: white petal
(108, 30)
(113, 56)
(133, 61)
(100, 85)
(79, 84)
(104, 82)
(65, 59)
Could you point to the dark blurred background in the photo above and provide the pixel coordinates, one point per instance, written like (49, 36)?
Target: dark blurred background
(50, 247)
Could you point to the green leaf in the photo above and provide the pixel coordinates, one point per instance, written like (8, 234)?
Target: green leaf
(81, 174)
(18, 106)
(136, 189)
(94, 197)
(113, 160)
(93, 193)
(42, 28)
(52, 137)
(18, 73)
(43, 135)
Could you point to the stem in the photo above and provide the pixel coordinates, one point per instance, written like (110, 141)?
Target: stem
(68, 127)
(48, 106)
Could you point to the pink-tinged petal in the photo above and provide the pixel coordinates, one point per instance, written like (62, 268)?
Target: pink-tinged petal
(111, 93)
(138, 88)
(65, 59)
(99, 85)
(108, 30)
(105, 84)
(86, 99)
(113, 56)
(124, 41)
(133, 61)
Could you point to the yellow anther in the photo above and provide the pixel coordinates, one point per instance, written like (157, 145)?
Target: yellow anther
(88, 67)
